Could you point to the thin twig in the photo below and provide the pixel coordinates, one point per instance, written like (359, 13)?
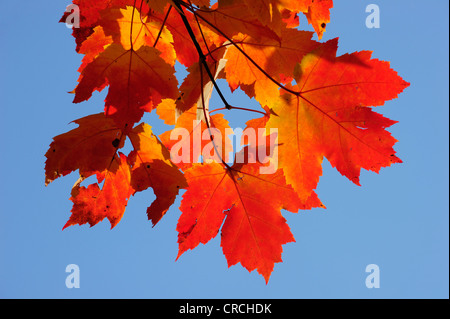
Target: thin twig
(240, 49)
(162, 26)
(205, 115)
(237, 108)
(200, 53)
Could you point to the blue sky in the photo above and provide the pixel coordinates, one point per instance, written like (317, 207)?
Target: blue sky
(397, 219)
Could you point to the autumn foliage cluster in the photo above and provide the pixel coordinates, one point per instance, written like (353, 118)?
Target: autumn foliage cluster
(320, 103)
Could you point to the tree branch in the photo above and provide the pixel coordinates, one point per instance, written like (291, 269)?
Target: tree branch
(202, 56)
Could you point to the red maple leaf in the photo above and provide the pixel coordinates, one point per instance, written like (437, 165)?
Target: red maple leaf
(250, 203)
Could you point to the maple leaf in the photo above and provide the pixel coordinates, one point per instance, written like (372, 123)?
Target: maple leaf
(330, 116)
(316, 11)
(92, 204)
(272, 62)
(152, 168)
(148, 165)
(93, 46)
(89, 15)
(231, 17)
(132, 30)
(254, 229)
(96, 135)
(318, 14)
(137, 80)
(121, 53)
(197, 137)
(272, 13)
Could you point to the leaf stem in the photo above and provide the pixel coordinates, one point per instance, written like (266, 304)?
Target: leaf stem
(131, 28)
(237, 108)
(162, 26)
(207, 121)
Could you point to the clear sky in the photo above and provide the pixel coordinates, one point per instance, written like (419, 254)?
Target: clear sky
(397, 219)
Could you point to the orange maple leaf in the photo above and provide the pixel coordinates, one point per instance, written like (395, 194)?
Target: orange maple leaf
(197, 136)
(152, 168)
(328, 114)
(272, 62)
(137, 80)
